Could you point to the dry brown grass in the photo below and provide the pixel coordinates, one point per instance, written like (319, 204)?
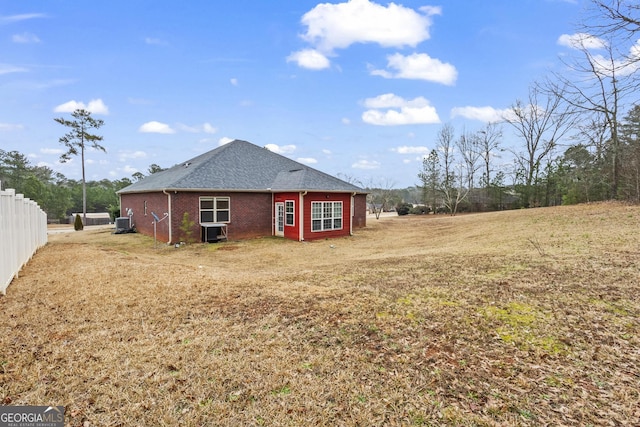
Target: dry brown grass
(510, 318)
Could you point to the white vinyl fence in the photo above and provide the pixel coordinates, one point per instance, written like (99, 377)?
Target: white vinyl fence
(23, 230)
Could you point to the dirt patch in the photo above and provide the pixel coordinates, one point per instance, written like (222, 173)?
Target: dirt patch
(506, 318)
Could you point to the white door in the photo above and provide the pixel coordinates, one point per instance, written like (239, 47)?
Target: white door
(280, 219)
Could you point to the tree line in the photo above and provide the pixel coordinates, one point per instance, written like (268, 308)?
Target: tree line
(466, 172)
(57, 195)
(577, 133)
(462, 172)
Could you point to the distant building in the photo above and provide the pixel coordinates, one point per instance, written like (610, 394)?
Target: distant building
(93, 218)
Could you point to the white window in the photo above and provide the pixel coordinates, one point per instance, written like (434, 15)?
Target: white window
(289, 210)
(214, 209)
(326, 216)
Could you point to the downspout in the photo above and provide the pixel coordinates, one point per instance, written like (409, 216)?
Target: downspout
(273, 214)
(170, 212)
(353, 212)
(301, 216)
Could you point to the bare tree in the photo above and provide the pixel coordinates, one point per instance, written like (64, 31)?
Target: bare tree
(597, 88)
(618, 17)
(455, 174)
(380, 197)
(541, 123)
(604, 75)
(489, 143)
(469, 147)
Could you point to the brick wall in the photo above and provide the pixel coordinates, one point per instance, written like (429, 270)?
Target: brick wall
(143, 220)
(250, 214)
(360, 211)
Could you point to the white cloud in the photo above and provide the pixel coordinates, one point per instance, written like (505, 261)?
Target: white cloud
(21, 17)
(25, 38)
(310, 59)
(393, 110)
(225, 140)
(207, 128)
(69, 107)
(623, 67)
(337, 26)
(418, 66)
(581, 40)
(411, 149)
(601, 63)
(156, 127)
(284, 149)
(390, 100)
(95, 106)
(345, 121)
(56, 151)
(326, 151)
(204, 128)
(307, 160)
(130, 170)
(10, 127)
(366, 164)
(483, 114)
(431, 10)
(126, 155)
(234, 81)
(6, 69)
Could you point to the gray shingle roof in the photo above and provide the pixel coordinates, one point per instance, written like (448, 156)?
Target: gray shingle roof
(241, 166)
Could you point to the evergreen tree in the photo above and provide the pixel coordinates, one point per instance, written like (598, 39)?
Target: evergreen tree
(78, 140)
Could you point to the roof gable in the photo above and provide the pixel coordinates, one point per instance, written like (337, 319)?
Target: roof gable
(241, 166)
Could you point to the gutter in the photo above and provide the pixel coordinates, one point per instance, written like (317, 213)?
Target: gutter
(301, 216)
(169, 210)
(353, 210)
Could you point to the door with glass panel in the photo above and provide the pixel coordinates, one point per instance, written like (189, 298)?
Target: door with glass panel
(280, 219)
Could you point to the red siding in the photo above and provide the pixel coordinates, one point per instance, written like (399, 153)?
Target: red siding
(345, 198)
(290, 232)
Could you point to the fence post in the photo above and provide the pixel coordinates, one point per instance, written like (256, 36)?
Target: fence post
(23, 230)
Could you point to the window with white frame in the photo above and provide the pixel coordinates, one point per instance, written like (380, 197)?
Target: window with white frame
(289, 212)
(326, 216)
(214, 209)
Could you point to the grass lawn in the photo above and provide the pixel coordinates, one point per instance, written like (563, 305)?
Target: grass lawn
(528, 317)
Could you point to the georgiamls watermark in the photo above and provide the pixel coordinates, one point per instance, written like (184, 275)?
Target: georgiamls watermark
(31, 416)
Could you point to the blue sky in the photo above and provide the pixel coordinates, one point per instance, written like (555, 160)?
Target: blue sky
(357, 88)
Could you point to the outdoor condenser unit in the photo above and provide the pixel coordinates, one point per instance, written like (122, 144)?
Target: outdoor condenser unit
(123, 225)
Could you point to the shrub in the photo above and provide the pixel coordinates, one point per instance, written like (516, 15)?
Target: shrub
(77, 224)
(186, 226)
(404, 208)
(420, 210)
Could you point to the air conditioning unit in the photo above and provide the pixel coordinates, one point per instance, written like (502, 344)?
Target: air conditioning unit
(123, 225)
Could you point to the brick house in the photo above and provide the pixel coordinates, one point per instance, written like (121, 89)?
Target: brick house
(239, 191)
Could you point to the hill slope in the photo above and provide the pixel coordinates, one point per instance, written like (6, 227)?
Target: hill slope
(510, 318)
